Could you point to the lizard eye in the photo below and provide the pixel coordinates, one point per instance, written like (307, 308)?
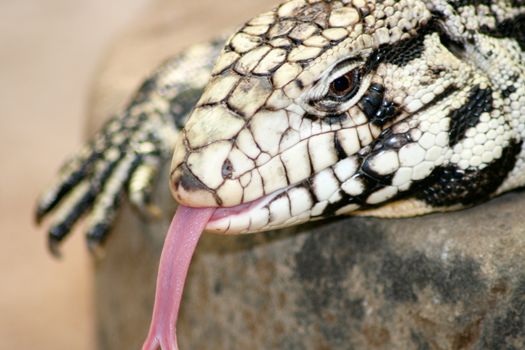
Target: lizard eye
(346, 85)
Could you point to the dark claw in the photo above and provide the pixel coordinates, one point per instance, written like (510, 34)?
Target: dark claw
(96, 250)
(60, 230)
(44, 207)
(57, 194)
(39, 215)
(53, 246)
(96, 237)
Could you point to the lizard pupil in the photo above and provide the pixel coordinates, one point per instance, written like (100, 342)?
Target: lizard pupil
(341, 84)
(344, 84)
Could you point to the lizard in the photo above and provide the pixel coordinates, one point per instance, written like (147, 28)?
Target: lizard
(317, 108)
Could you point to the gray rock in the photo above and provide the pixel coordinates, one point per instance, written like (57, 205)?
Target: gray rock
(443, 281)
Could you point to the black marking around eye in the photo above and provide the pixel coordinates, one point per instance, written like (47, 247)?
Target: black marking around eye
(402, 52)
(378, 110)
(512, 28)
(406, 51)
(449, 185)
(467, 116)
(376, 107)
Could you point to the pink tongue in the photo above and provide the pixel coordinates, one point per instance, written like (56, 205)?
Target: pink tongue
(183, 235)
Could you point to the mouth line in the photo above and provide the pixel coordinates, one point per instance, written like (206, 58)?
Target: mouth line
(224, 213)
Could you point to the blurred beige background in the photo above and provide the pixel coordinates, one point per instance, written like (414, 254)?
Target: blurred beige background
(49, 51)
(52, 53)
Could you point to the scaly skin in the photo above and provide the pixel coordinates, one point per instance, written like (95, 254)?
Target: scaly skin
(321, 108)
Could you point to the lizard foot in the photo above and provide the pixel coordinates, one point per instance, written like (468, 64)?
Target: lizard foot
(124, 157)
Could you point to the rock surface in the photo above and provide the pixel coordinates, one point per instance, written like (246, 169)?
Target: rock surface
(451, 281)
(444, 281)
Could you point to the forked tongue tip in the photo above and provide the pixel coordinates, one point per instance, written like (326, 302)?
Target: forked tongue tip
(180, 243)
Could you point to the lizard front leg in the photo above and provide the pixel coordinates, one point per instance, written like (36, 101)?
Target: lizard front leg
(124, 157)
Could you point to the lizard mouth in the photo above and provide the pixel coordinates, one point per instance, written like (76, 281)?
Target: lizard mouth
(248, 217)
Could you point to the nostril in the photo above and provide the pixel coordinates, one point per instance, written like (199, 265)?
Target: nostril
(227, 169)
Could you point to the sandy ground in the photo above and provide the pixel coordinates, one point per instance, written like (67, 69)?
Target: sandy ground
(48, 53)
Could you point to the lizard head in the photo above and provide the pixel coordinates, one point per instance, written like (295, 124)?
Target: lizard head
(288, 126)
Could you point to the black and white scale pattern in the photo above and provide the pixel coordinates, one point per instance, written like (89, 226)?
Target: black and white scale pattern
(432, 117)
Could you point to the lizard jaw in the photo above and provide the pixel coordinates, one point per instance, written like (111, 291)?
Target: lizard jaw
(248, 217)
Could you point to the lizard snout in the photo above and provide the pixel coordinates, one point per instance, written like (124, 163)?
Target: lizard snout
(205, 175)
(188, 190)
